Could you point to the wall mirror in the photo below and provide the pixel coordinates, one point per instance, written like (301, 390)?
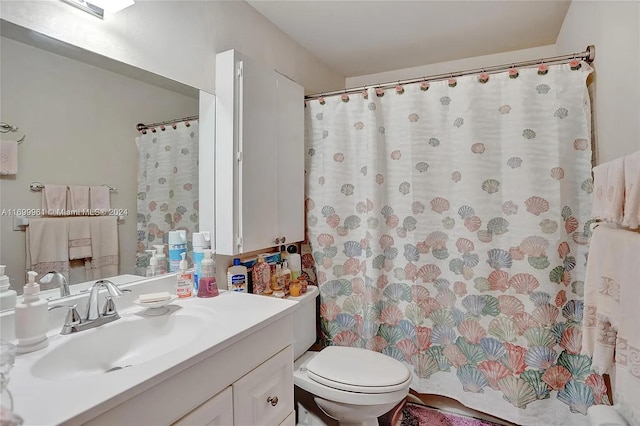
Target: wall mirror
(78, 113)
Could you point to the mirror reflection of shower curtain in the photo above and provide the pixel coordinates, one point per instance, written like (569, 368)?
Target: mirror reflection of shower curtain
(167, 187)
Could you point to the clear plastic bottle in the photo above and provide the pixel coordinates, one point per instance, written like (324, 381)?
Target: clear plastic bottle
(177, 245)
(285, 273)
(184, 286)
(207, 285)
(237, 277)
(153, 264)
(201, 241)
(161, 260)
(261, 276)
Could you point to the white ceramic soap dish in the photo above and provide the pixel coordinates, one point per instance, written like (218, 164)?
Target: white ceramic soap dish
(156, 308)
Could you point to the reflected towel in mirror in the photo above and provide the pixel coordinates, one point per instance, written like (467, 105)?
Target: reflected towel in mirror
(8, 158)
(47, 247)
(79, 237)
(99, 199)
(79, 199)
(54, 200)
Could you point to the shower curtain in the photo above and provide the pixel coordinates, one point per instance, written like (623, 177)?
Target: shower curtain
(167, 187)
(448, 226)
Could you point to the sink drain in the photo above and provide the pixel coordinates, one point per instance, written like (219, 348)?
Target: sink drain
(116, 368)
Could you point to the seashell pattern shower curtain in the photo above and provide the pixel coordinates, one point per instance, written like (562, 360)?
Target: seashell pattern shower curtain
(167, 188)
(448, 223)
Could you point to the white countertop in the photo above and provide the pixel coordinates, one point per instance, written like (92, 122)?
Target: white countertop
(45, 401)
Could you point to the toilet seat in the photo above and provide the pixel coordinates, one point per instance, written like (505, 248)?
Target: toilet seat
(358, 370)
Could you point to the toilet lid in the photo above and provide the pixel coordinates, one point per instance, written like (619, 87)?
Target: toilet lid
(358, 370)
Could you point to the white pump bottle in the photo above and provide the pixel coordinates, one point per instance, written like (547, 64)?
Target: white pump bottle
(31, 318)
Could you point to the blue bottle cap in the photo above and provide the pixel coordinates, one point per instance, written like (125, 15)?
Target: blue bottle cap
(236, 261)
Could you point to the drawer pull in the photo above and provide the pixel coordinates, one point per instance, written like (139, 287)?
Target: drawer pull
(273, 400)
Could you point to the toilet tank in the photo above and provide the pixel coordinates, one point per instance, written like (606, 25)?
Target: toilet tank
(304, 321)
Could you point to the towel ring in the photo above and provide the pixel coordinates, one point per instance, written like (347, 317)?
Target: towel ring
(6, 128)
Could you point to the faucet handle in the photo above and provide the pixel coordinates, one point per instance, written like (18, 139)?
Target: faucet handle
(72, 319)
(109, 307)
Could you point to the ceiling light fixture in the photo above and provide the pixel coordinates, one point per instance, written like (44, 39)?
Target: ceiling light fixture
(98, 7)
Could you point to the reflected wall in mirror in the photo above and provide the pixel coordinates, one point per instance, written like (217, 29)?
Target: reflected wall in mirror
(78, 112)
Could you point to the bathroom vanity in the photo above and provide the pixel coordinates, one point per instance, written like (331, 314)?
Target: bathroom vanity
(222, 361)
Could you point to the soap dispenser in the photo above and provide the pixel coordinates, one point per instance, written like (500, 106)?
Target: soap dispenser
(184, 287)
(153, 264)
(208, 287)
(31, 318)
(7, 297)
(161, 258)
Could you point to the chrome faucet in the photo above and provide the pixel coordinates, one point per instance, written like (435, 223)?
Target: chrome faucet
(63, 284)
(93, 316)
(93, 309)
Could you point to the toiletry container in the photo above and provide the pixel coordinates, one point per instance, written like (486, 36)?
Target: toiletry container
(184, 287)
(161, 260)
(293, 259)
(237, 277)
(285, 273)
(153, 264)
(8, 297)
(207, 286)
(177, 245)
(31, 318)
(261, 276)
(201, 241)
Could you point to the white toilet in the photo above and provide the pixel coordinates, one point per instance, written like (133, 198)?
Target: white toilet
(352, 385)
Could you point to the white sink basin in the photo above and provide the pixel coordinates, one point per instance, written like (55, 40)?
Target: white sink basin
(134, 339)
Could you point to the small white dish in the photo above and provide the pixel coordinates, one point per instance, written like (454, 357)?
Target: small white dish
(155, 305)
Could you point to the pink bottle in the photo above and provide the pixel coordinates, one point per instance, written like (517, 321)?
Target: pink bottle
(207, 285)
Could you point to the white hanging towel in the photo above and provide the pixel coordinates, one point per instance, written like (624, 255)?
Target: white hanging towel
(79, 238)
(104, 247)
(99, 201)
(79, 199)
(632, 191)
(608, 197)
(54, 200)
(8, 158)
(610, 332)
(46, 243)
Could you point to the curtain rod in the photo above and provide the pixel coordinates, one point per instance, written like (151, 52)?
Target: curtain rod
(141, 127)
(588, 56)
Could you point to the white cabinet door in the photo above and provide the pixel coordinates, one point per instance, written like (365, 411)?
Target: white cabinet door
(217, 411)
(265, 395)
(259, 158)
(290, 148)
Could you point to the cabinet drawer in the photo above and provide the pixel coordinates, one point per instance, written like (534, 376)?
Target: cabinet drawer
(265, 395)
(217, 411)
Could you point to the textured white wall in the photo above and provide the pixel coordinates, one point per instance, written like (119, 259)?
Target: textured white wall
(176, 39)
(79, 123)
(614, 28)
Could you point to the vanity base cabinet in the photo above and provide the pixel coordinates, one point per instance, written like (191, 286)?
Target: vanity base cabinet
(218, 411)
(265, 396)
(250, 369)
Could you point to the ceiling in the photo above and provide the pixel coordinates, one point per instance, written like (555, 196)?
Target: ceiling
(367, 36)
